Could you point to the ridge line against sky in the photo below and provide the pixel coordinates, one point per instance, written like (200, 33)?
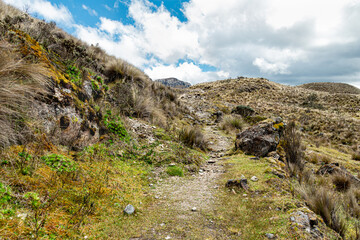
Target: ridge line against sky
(291, 42)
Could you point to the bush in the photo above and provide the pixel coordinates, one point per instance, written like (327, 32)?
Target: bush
(192, 137)
(244, 111)
(293, 149)
(175, 171)
(115, 125)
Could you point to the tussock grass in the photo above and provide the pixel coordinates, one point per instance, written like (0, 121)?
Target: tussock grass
(231, 123)
(293, 149)
(326, 204)
(20, 83)
(192, 137)
(341, 182)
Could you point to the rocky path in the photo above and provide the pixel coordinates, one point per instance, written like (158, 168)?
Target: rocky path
(186, 206)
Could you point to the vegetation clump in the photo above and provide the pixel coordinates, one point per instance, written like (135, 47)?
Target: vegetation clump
(175, 171)
(115, 125)
(192, 137)
(244, 111)
(60, 163)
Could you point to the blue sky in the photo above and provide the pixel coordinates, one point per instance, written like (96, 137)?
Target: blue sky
(290, 42)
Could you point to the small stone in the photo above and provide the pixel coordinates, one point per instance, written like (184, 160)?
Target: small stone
(172, 164)
(168, 237)
(151, 185)
(162, 224)
(244, 195)
(129, 209)
(254, 179)
(211, 161)
(292, 219)
(270, 236)
(156, 197)
(193, 209)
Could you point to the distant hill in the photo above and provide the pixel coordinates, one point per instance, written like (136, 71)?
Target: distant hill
(331, 87)
(173, 82)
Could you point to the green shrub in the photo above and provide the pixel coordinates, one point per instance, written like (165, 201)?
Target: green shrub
(5, 195)
(74, 74)
(244, 111)
(175, 171)
(115, 125)
(59, 163)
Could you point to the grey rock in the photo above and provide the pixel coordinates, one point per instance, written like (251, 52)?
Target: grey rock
(173, 82)
(258, 140)
(270, 236)
(241, 183)
(254, 179)
(129, 209)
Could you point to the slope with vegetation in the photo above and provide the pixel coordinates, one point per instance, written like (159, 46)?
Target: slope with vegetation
(85, 135)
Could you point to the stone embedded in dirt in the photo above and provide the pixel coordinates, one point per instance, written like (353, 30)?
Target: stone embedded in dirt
(193, 209)
(129, 209)
(254, 179)
(211, 161)
(241, 183)
(274, 155)
(270, 236)
(259, 140)
(306, 220)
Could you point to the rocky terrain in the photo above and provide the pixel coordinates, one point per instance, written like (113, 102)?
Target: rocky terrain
(93, 149)
(173, 82)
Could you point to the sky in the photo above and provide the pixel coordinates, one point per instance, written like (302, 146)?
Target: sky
(290, 42)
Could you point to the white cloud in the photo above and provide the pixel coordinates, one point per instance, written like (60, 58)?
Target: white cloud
(188, 72)
(51, 12)
(92, 12)
(271, 68)
(107, 7)
(281, 40)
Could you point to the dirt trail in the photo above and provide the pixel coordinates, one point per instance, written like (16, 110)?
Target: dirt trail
(178, 197)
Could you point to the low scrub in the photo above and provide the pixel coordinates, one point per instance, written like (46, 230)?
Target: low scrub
(192, 137)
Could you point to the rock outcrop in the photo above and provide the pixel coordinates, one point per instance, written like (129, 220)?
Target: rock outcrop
(259, 140)
(173, 82)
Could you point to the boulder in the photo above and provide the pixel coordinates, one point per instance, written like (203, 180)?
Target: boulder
(241, 183)
(259, 140)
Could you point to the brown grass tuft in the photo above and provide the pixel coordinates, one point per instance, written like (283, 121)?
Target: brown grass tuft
(20, 83)
(231, 123)
(293, 149)
(341, 182)
(192, 137)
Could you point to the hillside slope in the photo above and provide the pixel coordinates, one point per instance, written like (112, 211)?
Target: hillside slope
(92, 148)
(332, 87)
